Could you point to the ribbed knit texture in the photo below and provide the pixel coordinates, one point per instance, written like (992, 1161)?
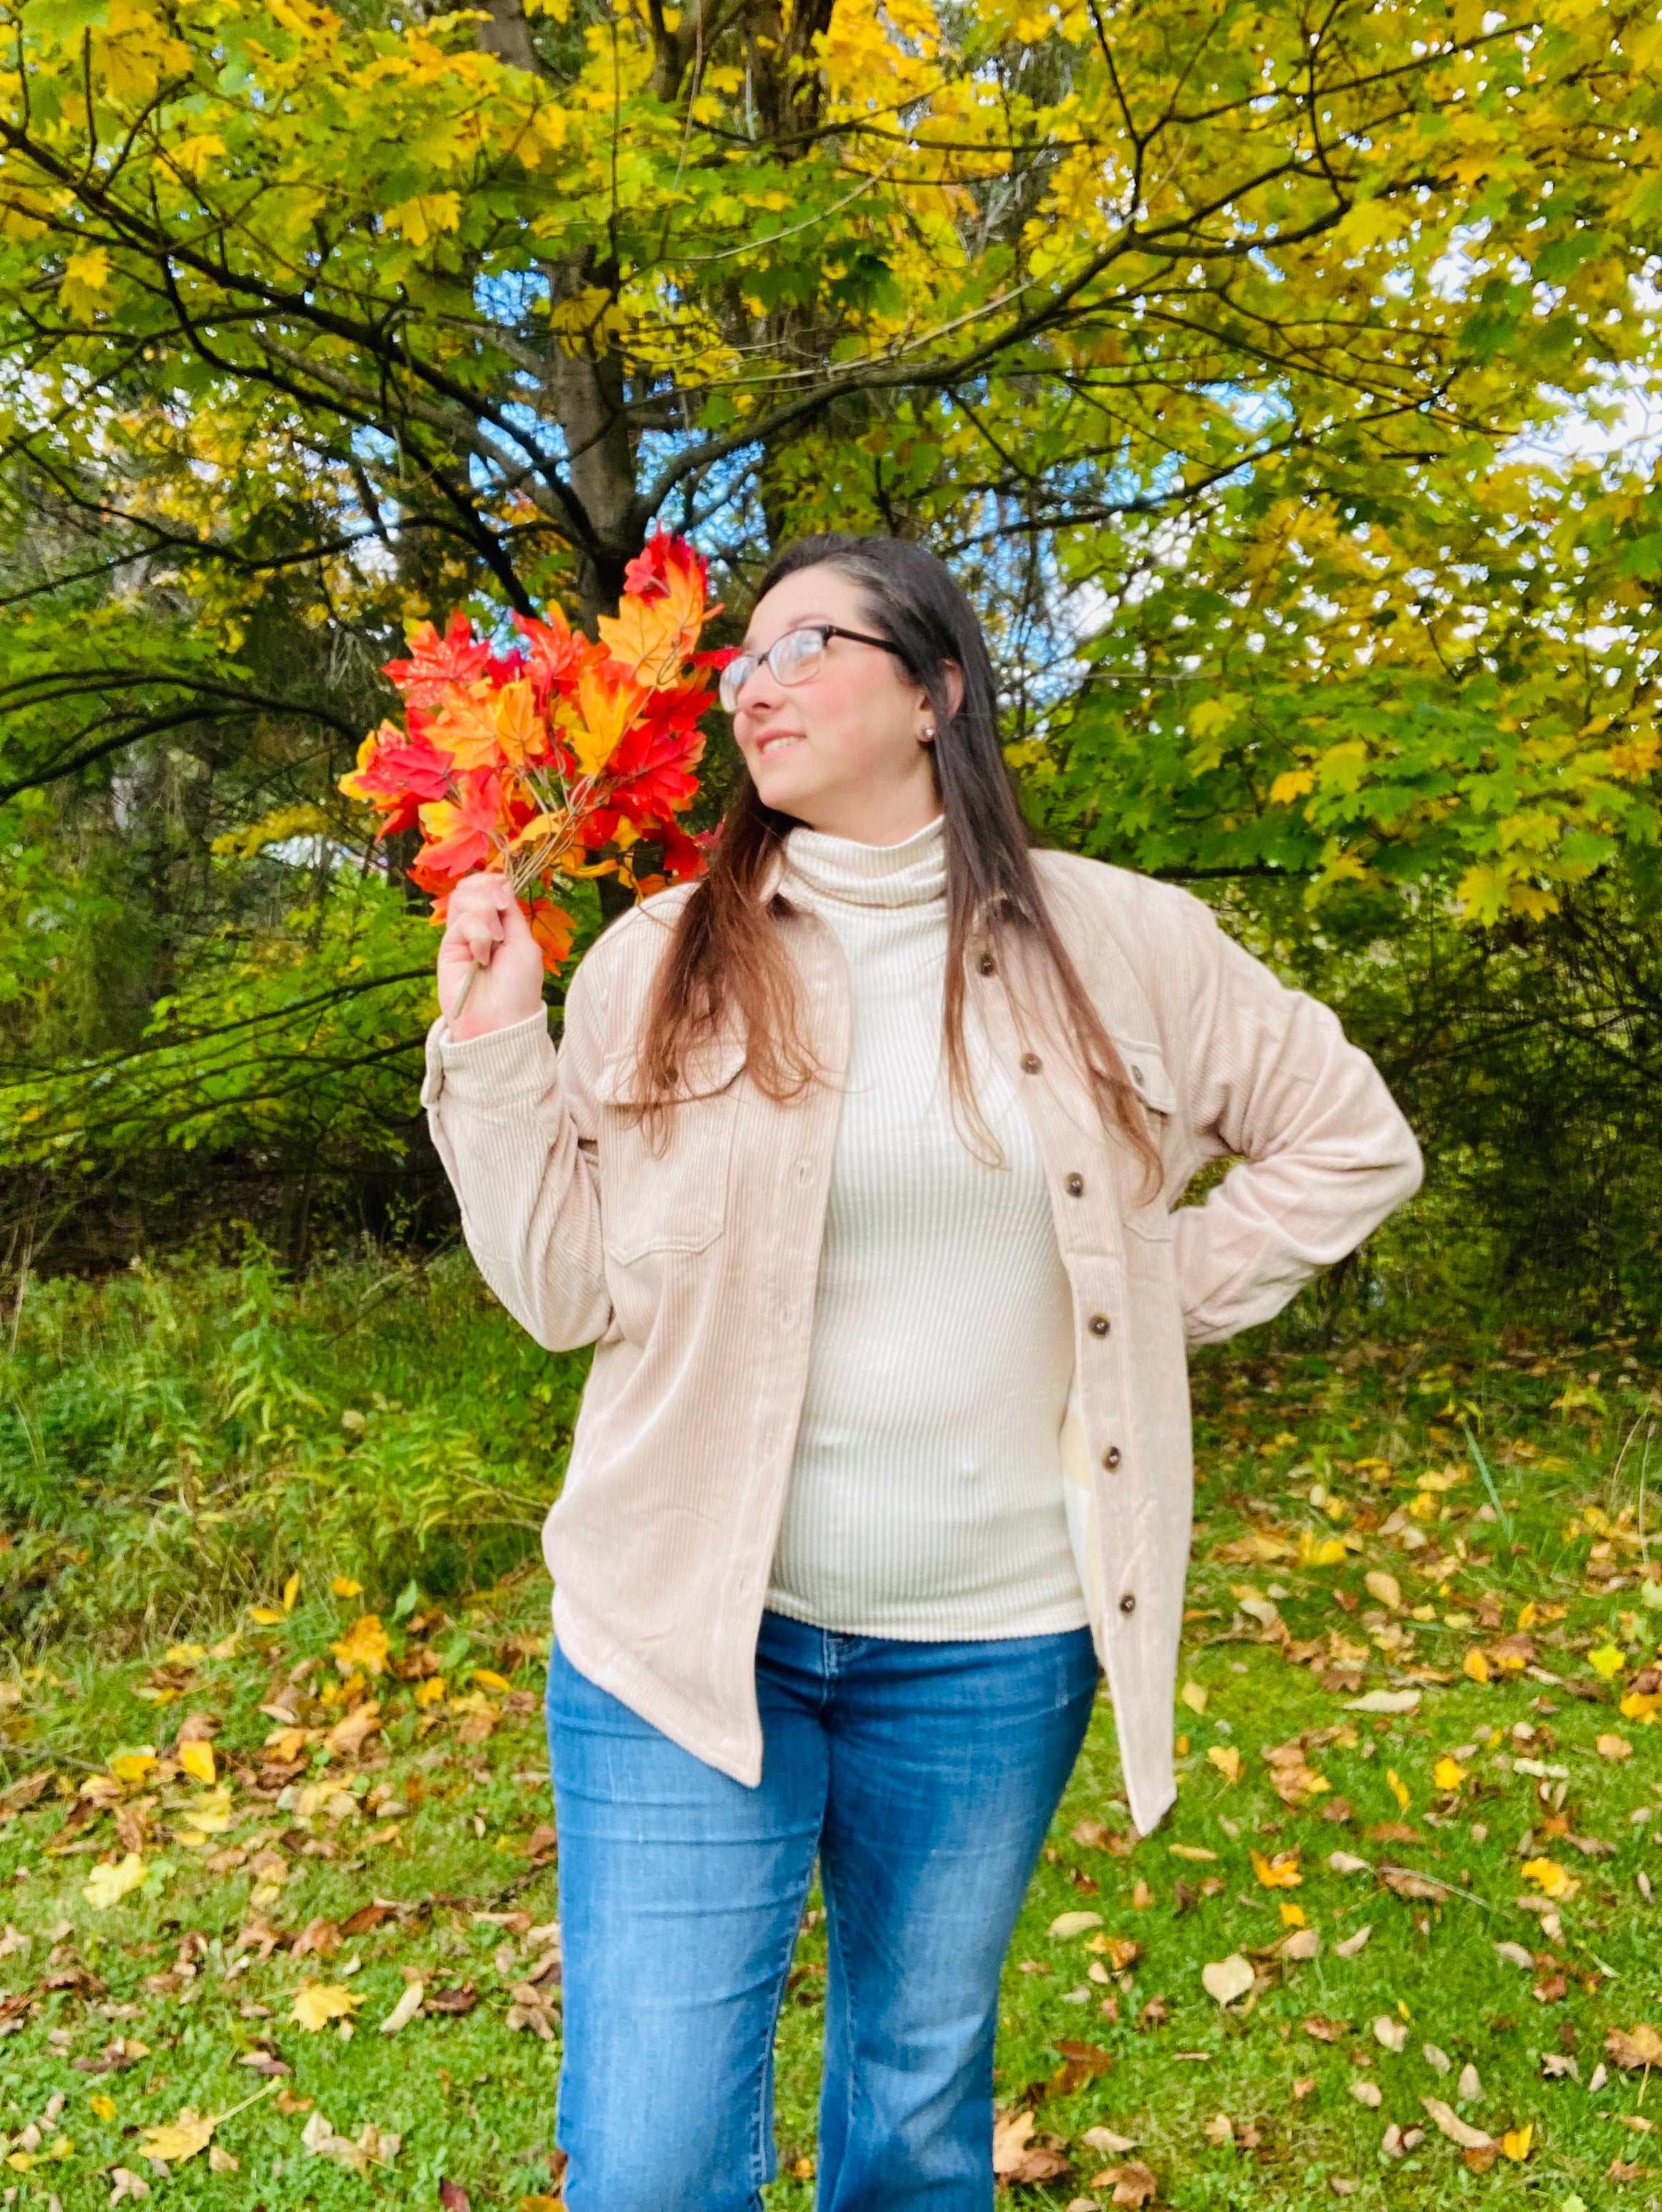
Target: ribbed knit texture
(926, 1493)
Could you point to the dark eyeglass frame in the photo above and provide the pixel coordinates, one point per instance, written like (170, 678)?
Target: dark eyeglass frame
(747, 664)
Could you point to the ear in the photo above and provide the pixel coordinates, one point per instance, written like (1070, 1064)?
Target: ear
(954, 676)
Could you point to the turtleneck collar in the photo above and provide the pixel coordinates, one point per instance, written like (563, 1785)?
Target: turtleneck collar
(910, 873)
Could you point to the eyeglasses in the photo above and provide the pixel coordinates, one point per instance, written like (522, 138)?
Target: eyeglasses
(795, 658)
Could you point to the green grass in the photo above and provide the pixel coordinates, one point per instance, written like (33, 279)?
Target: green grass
(473, 2098)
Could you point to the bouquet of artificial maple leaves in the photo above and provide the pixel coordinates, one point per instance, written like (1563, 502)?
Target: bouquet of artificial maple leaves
(537, 761)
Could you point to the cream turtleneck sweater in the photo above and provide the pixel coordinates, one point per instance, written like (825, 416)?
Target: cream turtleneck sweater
(926, 1493)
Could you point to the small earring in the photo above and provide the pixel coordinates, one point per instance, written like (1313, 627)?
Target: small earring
(928, 731)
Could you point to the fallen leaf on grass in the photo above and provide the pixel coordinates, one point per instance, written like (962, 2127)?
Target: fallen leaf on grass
(1448, 2121)
(1226, 1759)
(1302, 1943)
(1190, 1851)
(1367, 2093)
(347, 1737)
(1352, 1944)
(110, 1884)
(364, 1645)
(178, 2140)
(404, 2010)
(1194, 1696)
(1613, 1747)
(1389, 2033)
(1015, 2159)
(1073, 1923)
(1326, 2031)
(452, 2001)
(1104, 2140)
(1346, 1863)
(1639, 2046)
(1384, 1587)
(1516, 2141)
(1516, 1955)
(1282, 1872)
(1619, 2170)
(373, 2146)
(1437, 2059)
(452, 2197)
(1384, 1701)
(1220, 2130)
(197, 1758)
(1549, 1878)
(128, 2186)
(1225, 1979)
(316, 2004)
(1132, 2184)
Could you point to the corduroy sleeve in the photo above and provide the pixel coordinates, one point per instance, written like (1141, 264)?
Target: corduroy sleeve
(1325, 1153)
(513, 1120)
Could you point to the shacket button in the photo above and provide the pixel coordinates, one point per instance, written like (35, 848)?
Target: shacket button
(1031, 1063)
(1098, 1324)
(989, 965)
(1111, 1458)
(1128, 1603)
(1075, 1185)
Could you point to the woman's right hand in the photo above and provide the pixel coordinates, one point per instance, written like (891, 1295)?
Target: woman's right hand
(483, 923)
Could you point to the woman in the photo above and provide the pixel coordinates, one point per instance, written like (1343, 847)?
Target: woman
(857, 1163)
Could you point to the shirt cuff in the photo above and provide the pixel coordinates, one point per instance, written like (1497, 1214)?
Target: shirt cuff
(490, 1069)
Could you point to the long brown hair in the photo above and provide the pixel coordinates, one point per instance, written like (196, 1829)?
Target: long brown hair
(725, 952)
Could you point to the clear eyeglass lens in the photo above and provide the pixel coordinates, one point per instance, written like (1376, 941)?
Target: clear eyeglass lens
(793, 658)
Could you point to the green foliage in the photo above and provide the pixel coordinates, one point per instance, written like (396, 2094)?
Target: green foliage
(174, 1441)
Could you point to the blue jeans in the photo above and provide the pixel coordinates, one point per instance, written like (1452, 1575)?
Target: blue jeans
(924, 1776)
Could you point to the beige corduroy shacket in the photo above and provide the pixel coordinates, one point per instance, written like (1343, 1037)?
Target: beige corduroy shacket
(691, 1268)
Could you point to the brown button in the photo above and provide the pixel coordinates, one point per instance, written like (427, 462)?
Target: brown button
(1098, 1324)
(1075, 1185)
(1111, 1458)
(1128, 1603)
(1031, 1063)
(989, 965)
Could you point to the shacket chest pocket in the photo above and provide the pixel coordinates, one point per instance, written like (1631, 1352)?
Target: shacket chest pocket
(1145, 1065)
(666, 1190)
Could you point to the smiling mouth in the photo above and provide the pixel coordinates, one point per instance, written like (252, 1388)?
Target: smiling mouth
(775, 744)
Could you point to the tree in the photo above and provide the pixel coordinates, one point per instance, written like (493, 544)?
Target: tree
(1227, 319)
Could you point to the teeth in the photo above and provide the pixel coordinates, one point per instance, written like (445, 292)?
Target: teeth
(773, 744)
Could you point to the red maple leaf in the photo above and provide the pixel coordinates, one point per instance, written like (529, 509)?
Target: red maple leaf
(458, 656)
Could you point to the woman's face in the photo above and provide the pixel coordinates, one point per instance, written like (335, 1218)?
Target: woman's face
(847, 752)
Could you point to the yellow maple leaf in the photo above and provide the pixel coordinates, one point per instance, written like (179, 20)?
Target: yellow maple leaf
(1194, 1696)
(1606, 1660)
(606, 707)
(316, 2004)
(197, 1758)
(85, 285)
(651, 638)
(1448, 1774)
(132, 1766)
(1292, 1915)
(1515, 2141)
(345, 1586)
(1476, 1666)
(1226, 1759)
(431, 1692)
(1551, 1879)
(1279, 1873)
(364, 1645)
(1291, 784)
(518, 725)
(181, 2138)
(110, 1884)
(428, 216)
(103, 2106)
